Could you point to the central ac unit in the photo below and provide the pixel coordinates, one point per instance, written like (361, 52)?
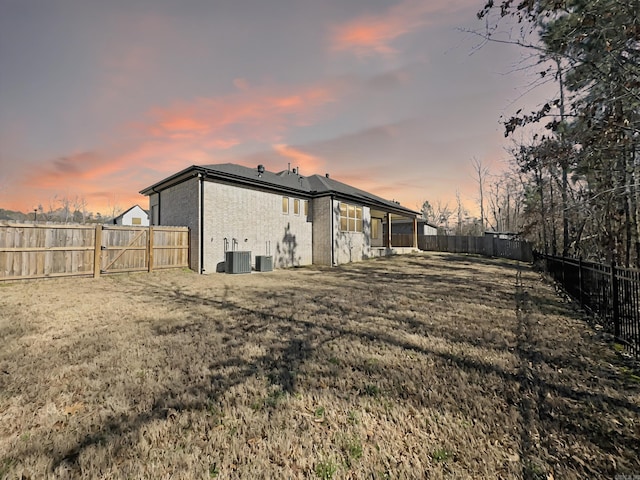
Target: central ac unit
(264, 263)
(237, 262)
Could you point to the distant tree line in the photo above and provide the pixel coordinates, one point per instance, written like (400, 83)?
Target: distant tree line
(500, 202)
(574, 188)
(62, 209)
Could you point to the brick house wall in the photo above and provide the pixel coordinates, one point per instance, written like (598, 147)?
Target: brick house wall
(321, 214)
(243, 211)
(179, 206)
(253, 220)
(351, 246)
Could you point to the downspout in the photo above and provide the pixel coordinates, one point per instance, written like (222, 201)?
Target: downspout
(333, 239)
(201, 225)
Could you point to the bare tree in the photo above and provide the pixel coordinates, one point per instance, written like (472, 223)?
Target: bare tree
(51, 208)
(65, 204)
(428, 213)
(481, 172)
(80, 207)
(461, 211)
(113, 208)
(443, 213)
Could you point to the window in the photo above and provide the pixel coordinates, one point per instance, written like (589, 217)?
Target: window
(305, 205)
(350, 218)
(285, 205)
(376, 228)
(296, 206)
(136, 221)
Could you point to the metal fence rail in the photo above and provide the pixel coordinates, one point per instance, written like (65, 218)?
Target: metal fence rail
(611, 293)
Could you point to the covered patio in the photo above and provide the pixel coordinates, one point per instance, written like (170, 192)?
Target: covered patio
(383, 239)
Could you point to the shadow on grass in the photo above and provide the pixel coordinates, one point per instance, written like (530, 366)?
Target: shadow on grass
(551, 407)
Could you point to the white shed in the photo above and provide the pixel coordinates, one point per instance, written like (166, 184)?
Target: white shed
(135, 216)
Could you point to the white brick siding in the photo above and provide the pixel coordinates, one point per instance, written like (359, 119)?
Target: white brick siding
(351, 246)
(321, 214)
(178, 206)
(252, 220)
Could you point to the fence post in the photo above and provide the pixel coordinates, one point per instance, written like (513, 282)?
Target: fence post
(97, 253)
(150, 249)
(615, 301)
(580, 280)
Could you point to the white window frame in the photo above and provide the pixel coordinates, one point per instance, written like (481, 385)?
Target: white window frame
(351, 218)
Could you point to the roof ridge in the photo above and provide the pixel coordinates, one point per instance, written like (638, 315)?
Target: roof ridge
(287, 181)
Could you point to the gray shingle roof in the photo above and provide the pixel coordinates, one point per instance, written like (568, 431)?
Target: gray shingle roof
(286, 181)
(283, 179)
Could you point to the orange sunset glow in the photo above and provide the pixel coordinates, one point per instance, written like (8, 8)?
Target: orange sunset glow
(98, 101)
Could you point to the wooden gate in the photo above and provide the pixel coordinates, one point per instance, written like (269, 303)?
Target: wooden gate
(30, 251)
(124, 249)
(131, 249)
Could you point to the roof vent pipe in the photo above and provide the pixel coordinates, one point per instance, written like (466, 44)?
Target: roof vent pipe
(326, 175)
(260, 170)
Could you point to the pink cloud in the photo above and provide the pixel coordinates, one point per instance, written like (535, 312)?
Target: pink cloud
(308, 163)
(371, 35)
(256, 114)
(172, 138)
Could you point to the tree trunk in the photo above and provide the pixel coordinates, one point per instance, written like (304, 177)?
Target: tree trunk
(564, 163)
(543, 220)
(554, 244)
(635, 168)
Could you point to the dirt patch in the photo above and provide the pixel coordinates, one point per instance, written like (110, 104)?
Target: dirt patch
(432, 365)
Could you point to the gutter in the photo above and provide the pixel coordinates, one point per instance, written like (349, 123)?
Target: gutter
(173, 180)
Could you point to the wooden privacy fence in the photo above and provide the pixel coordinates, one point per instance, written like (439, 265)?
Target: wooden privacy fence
(43, 250)
(488, 246)
(610, 292)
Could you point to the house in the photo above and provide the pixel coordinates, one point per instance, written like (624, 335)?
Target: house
(295, 219)
(135, 216)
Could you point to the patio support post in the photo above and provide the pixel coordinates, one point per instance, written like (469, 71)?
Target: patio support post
(415, 232)
(388, 241)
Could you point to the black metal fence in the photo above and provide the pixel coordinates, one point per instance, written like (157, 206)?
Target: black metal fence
(610, 292)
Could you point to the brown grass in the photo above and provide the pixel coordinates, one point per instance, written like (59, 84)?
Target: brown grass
(433, 365)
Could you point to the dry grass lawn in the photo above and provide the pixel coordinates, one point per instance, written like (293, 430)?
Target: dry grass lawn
(419, 366)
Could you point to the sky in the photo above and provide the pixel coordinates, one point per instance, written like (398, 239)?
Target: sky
(100, 99)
